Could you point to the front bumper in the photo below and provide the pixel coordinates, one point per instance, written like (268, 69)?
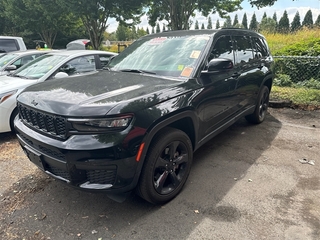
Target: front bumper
(82, 161)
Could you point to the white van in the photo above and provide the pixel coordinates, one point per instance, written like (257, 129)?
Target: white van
(9, 44)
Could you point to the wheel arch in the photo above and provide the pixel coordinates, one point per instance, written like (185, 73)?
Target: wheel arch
(185, 121)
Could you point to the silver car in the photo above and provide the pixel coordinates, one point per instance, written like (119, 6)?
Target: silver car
(50, 66)
(11, 61)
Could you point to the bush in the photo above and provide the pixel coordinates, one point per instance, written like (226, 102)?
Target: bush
(282, 80)
(312, 83)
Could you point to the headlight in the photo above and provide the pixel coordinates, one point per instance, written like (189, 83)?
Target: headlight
(5, 96)
(101, 124)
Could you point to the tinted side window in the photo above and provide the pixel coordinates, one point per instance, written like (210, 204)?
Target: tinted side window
(260, 48)
(244, 51)
(222, 49)
(79, 65)
(8, 45)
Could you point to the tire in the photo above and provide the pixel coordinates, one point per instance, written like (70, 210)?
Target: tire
(12, 117)
(260, 111)
(167, 166)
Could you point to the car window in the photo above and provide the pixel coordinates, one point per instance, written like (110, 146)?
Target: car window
(222, 48)
(6, 58)
(39, 67)
(8, 45)
(24, 60)
(260, 48)
(244, 51)
(174, 56)
(79, 65)
(104, 60)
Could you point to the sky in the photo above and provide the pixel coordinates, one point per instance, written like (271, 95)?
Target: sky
(279, 7)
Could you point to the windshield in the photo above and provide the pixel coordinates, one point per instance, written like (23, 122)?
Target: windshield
(6, 58)
(168, 56)
(39, 67)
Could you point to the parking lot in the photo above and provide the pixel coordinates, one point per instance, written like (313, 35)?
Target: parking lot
(249, 182)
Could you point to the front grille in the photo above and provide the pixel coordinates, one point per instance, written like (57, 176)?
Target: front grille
(54, 125)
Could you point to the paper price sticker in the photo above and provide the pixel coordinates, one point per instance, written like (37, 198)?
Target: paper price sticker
(186, 72)
(195, 54)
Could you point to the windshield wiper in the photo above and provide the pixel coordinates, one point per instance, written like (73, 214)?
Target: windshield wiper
(19, 76)
(136, 71)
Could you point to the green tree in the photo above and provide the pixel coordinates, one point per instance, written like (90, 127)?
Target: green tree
(95, 14)
(141, 32)
(308, 20)
(209, 26)
(317, 22)
(244, 21)
(267, 25)
(283, 26)
(122, 33)
(296, 24)
(158, 28)
(227, 22)
(196, 25)
(217, 24)
(44, 17)
(147, 31)
(253, 23)
(274, 17)
(202, 26)
(178, 12)
(264, 16)
(235, 20)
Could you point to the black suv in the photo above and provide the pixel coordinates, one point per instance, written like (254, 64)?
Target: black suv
(135, 125)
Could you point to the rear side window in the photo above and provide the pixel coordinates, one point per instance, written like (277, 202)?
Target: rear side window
(260, 48)
(244, 51)
(8, 45)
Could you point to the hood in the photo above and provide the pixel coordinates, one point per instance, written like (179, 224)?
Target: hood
(97, 94)
(8, 83)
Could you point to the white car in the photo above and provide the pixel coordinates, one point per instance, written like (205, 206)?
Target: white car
(44, 68)
(11, 61)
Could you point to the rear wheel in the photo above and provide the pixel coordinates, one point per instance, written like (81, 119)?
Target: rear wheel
(167, 166)
(262, 106)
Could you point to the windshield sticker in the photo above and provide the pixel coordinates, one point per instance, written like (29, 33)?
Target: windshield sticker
(157, 41)
(186, 72)
(180, 67)
(195, 54)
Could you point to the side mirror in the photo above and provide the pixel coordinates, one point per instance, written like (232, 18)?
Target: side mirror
(11, 68)
(61, 75)
(220, 64)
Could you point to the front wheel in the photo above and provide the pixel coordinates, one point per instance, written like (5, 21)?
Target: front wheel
(166, 167)
(260, 111)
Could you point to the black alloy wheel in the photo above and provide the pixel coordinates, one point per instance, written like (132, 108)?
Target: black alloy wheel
(262, 107)
(167, 166)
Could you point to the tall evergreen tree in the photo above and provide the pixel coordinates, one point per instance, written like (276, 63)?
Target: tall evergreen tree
(209, 26)
(274, 17)
(317, 22)
(147, 31)
(217, 24)
(267, 25)
(158, 28)
(284, 25)
(253, 23)
(152, 30)
(245, 21)
(227, 23)
(196, 25)
(202, 26)
(308, 21)
(264, 16)
(296, 24)
(235, 20)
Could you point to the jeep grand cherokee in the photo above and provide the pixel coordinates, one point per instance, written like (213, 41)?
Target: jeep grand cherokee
(135, 125)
